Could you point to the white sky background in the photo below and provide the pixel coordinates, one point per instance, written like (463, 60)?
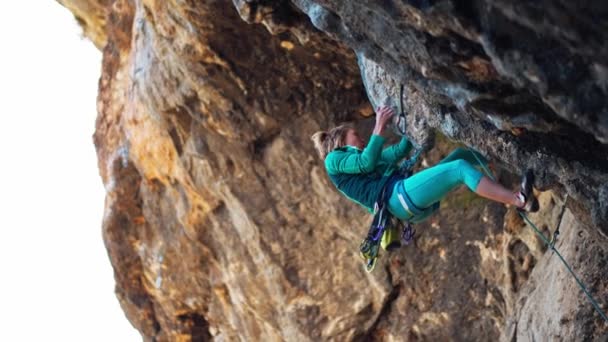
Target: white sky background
(56, 282)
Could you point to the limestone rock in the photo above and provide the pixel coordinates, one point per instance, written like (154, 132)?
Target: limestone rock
(550, 304)
(221, 224)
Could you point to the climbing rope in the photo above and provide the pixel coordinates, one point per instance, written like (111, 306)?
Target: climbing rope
(551, 245)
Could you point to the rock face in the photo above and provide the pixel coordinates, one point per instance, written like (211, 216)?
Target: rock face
(221, 223)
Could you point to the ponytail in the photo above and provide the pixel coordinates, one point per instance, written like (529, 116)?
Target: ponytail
(320, 139)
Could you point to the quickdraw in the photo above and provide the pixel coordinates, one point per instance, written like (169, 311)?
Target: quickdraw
(370, 246)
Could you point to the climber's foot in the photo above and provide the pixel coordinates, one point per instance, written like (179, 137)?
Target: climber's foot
(528, 201)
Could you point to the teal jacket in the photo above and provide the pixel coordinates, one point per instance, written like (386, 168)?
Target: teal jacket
(361, 174)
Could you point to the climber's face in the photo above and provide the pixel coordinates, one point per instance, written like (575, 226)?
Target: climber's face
(353, 139)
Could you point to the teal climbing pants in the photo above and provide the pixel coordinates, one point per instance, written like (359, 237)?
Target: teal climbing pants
(432, 184)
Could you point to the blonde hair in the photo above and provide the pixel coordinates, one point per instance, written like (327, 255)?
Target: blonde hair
(327, 141)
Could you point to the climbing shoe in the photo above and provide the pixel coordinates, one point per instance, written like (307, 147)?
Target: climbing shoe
(526, 193)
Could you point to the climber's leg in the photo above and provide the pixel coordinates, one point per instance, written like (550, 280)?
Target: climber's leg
(489, 189)
(431, 185)
(466, 154)
(469, 155)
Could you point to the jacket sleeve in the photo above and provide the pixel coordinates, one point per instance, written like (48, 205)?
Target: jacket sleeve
(364, 162)
(393, 154)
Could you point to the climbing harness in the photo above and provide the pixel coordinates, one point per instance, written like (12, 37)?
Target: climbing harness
(370, 246)
(384, 226)
(551, 245)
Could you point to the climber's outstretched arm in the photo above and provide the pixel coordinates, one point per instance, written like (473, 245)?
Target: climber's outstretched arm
(393, 154)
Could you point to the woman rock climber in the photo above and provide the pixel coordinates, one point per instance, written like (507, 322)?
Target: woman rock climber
(360, 171)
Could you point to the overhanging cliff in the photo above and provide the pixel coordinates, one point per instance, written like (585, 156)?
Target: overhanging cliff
(221, 224)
